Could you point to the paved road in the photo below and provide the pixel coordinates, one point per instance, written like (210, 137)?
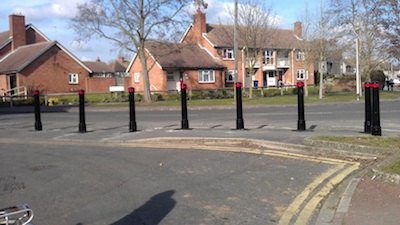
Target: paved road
(69, 182)
(108, 176)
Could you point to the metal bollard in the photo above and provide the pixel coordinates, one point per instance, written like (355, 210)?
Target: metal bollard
(301, 123)
(38, 122)
(239, 107)
(132, 116)
(82, 124)
(185, 122)
(376, 121)
(368, 108)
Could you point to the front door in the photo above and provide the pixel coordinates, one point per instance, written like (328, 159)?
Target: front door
(12, 83)
(269, 78)
(172, 80)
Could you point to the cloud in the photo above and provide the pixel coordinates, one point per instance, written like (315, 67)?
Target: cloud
(43, 10)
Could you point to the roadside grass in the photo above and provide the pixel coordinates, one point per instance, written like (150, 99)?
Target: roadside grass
(392, 143)
(276, 100)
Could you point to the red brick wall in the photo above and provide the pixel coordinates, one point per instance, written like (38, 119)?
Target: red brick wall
(33, 37)
(157, 77)
(49, 73)
(17, 30)
(5, 50)
(99, 84)
(3, 84)
(191, 79)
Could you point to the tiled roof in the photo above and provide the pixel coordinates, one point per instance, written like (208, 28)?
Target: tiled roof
(4, 37)
(98, 67)
(23, 56)
(119, 66)
(180, 55)
(222, 36)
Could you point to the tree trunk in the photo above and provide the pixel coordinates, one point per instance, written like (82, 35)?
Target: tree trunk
(145, 74)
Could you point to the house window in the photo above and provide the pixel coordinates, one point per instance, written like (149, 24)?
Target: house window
(268, 57)
(230, 76)
(206, 76)
(228, 53)
(73, 78)
(170, 76)
(300, 56)
(137, 77)
(301, 74)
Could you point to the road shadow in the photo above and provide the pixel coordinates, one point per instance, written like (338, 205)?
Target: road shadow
(152, 212)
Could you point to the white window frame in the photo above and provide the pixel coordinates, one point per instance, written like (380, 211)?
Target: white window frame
(136, 77)
(268, 57)
(170, 76)
(228, 53)
(230, 74)
(301, 74)
(300, 56)
(206, 76)
(73, 78)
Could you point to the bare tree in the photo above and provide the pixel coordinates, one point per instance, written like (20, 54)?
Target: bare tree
(319, 39)
(130, 24)
(367, 22)
(255, 28)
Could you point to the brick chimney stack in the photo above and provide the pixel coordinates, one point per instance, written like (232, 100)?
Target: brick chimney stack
(199, 23)
(17, 30)
(298, 31)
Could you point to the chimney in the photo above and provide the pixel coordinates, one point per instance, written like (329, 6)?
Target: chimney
(121, 59)
(17, 31)
(298, 29)
(98, 59)
(199, 23)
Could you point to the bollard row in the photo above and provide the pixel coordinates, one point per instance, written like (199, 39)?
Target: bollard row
(371, 124)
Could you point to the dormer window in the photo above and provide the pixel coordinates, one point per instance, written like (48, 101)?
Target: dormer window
(227, 53)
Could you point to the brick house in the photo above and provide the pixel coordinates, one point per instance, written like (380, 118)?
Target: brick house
(168, 63)
(29, 60)
(282, 58)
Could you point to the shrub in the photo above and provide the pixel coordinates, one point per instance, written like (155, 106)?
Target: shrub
(157, 97)
(52, 101)
(172, 97)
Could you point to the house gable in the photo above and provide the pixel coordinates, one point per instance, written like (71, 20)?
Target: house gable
(17, 60)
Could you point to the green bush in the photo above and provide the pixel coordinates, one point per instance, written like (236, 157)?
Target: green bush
(138, 97)
(195, 95)
(172, 97)
(157, 97)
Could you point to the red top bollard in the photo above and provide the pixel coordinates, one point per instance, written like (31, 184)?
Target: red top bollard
(183, 86)
(238, 84)
(131, 89)
(35, 92)
(375, 85)
(81, 92)
(367, 84)
(300, 84)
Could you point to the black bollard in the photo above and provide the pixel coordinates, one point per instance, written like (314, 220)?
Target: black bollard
(301, 123)
(185, 122)
(82, 124)
(376, 121)
(368, 107)
(38, 122)
(239, 107)
(132, 116)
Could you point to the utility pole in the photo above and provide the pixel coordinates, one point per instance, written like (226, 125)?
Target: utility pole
(235, 44)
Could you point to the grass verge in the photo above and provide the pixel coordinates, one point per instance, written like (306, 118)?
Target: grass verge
(392, 143)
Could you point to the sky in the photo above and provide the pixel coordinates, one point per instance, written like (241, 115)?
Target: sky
(52, 18)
